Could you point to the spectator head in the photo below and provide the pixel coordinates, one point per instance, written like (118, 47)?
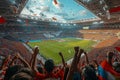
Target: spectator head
(27, 71)
(110, 55)
(49, 65)
(92, 66)
(40, 69)
(89, 73)
(11, 71)
(21, 76)
(95, 63)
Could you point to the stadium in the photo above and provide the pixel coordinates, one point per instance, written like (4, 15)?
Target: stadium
(71, 33)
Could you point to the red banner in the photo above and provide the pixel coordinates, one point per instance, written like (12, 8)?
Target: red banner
(2, 20)
(117, 48)
(116, 9)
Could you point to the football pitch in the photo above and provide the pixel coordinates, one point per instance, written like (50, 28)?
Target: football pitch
(49, 49)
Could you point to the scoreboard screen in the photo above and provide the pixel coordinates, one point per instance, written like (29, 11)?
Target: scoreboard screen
(86, 27)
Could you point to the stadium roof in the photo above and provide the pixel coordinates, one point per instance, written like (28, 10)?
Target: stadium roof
(107, 10)
(61, 10)
(56, 10)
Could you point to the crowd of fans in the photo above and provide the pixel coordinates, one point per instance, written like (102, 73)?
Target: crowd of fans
(45, 32)
(17, 67)
(108, 69)
(98, 34)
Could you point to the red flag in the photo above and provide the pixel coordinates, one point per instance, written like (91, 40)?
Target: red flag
(54, 18)
(117, 48)
(55, 2)
(106, 71)
(2, 20)
(115, 9)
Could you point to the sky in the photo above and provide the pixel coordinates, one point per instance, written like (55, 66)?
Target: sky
(56, 10)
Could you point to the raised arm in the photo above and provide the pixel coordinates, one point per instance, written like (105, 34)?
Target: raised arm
(86, 58)
(31, 60)
(109, 57)
(63, 61)
(78, 61)
(36, 51)
(25, 63)
(74, 64)
(5, 62)
(13, 60)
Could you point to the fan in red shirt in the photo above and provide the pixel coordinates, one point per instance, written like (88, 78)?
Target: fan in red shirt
(49, 67)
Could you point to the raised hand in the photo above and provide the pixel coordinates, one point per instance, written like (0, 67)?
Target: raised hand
(81, 51)
(60, 54)
(63, 61)
(17, 55)
(76, 48)
(86, 57)
(36, 50)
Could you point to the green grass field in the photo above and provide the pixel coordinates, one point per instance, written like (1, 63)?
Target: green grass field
(51, 48)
